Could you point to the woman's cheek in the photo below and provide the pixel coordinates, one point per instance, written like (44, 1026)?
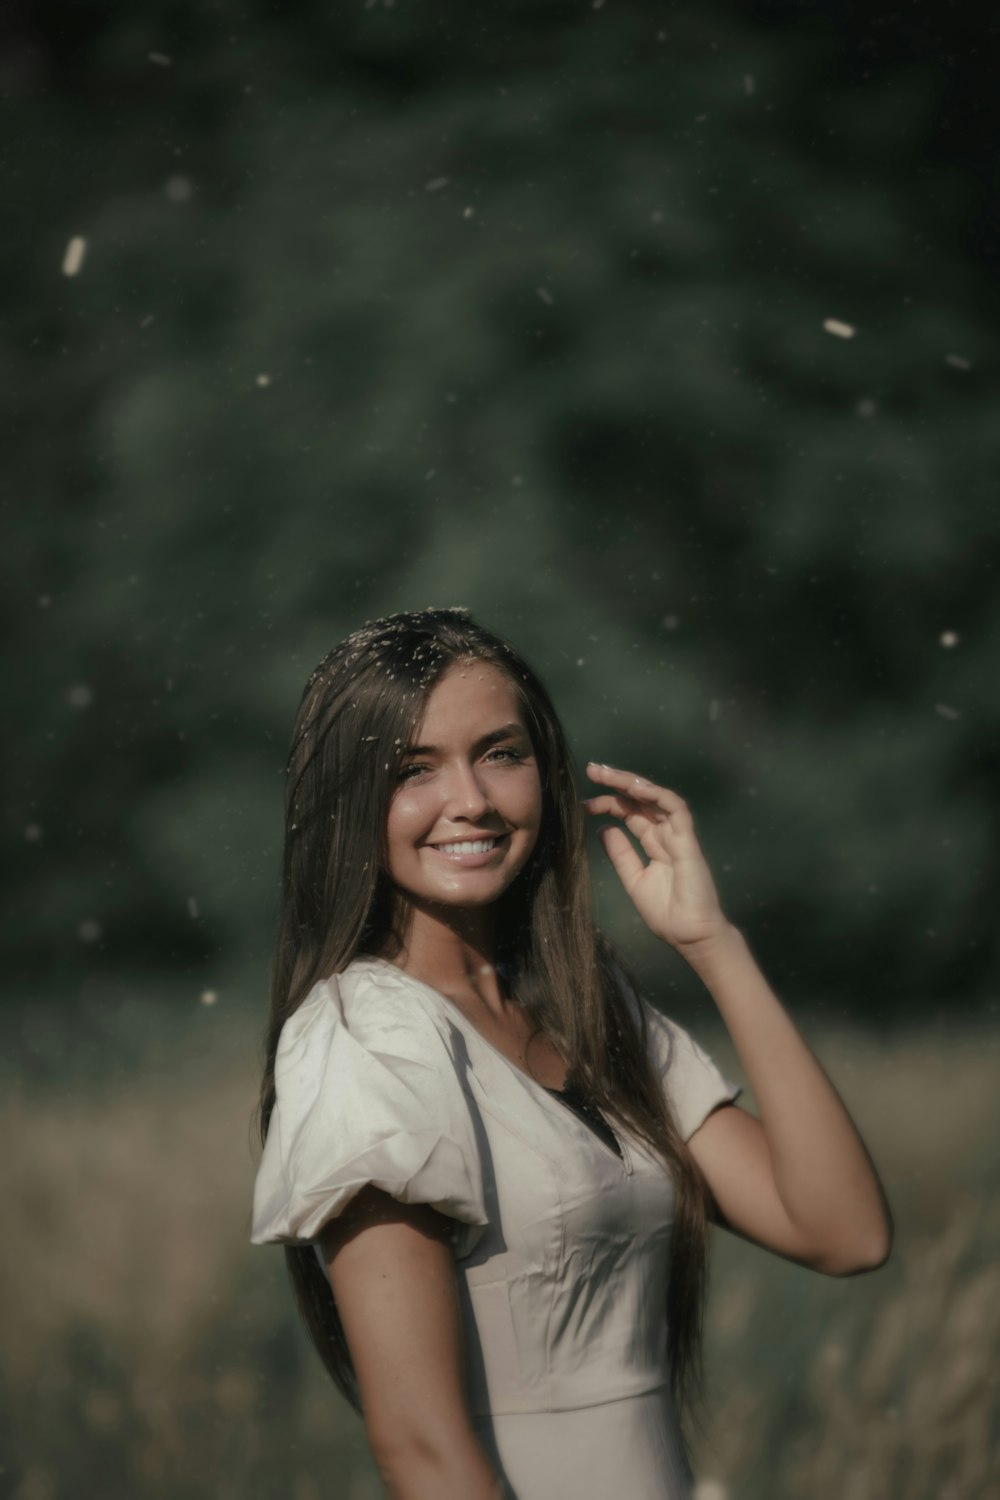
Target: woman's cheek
(408, 815)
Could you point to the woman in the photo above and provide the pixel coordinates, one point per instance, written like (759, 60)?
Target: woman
(491, 1160)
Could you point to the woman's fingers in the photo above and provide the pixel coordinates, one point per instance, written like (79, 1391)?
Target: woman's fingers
(622, 855)
(638, 789)
(654, 832)
(616, 805)
(635, 817)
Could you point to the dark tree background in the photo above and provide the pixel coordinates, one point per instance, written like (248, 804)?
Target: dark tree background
(661, 336)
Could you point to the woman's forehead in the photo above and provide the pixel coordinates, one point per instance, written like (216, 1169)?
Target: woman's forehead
(472, 689)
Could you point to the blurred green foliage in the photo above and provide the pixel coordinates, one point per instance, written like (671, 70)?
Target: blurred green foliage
(521, 309)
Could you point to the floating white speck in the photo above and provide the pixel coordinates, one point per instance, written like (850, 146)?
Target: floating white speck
(468, 212)
(581, 661)
(80, 695)
(867, 407)
(209, 997)
(178, 188)
(430, 473)
(710, 1489)
(949, 637)
(838, 329)
(263, 380)
(958, 361)
(545, 295)
(33, 832)
(748, 83)
(160, 58)
(713, 710)
(147, 320)
(517, 480)
(669, 622)
(435, 184)
(193, 906)
(88, 931)
(44, 600)
(946, 711)
(73, 258)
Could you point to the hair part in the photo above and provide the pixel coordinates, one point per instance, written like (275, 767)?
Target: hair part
(360, 708)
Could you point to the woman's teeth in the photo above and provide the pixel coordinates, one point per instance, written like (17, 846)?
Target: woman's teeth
(470, 846)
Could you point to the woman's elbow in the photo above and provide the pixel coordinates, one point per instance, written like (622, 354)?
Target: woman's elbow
(856, 1259)
(423, 1464)
(399, 1454)
(405, 1469)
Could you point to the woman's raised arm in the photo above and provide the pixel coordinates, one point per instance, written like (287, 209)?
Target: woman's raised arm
(799, 1180)
(393, 1276)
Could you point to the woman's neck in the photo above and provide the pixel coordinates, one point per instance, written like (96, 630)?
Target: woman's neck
(454, 951)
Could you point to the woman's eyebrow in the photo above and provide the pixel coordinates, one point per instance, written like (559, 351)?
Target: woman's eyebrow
(504, 732)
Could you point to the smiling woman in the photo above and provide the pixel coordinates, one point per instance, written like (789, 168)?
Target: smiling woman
(492, 1162)
(465, 818)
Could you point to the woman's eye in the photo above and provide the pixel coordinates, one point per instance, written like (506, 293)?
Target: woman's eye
(505, 752)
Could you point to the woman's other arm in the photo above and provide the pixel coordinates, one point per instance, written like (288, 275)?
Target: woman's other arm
(798, 1180)
(393, 1276)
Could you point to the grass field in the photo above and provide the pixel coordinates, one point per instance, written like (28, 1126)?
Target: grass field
(149, 1350)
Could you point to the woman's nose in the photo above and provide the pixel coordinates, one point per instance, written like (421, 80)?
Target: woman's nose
(466, 792)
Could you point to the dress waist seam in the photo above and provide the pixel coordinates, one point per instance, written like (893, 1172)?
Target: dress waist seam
(538, 1410)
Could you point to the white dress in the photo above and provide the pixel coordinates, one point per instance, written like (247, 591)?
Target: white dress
(561, 1246)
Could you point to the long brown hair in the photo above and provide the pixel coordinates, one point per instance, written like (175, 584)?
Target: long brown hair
(359, 709)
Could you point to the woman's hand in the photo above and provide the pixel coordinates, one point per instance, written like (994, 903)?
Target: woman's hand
(674, 894)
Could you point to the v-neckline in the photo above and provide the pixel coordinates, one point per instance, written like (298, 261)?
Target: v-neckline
(541, 1088)
(458, 1011)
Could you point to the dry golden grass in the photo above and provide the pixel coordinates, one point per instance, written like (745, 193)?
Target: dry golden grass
(147, 1347)
(883, 1387)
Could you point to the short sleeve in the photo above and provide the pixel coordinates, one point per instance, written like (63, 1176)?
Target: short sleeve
(365, 1092)
(692, 1083)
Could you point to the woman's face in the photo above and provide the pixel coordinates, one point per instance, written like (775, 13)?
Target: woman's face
(471, 776)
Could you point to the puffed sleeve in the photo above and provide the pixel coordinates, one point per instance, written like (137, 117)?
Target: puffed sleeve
(364, 1094)
(692, 1083)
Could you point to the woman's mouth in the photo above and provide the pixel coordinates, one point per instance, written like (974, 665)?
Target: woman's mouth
(471, 851)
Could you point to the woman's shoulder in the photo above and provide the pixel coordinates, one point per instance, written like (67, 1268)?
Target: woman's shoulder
(692, 1081)
(365, 1091)
(380, 1006)
(663, 1033)
(392, 1012)
(368, 1008)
